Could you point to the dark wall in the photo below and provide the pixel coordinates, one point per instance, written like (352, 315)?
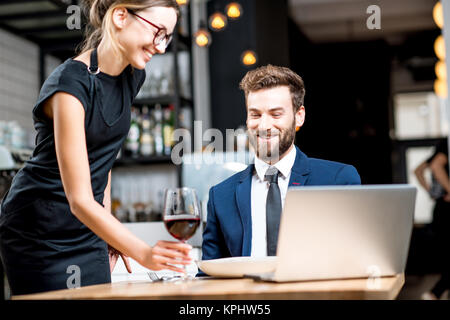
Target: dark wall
(271, 33)
(262, 28)
(347, 103)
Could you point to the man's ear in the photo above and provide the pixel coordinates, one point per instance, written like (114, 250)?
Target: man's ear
(300, 118)
(119, 17)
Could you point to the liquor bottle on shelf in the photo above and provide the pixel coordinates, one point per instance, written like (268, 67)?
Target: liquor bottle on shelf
(134, 197)
(168, 128)
(157, 130)
(147, 141)
(185, 118)
(132, 141)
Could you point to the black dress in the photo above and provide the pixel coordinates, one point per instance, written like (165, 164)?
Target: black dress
(440, 227)
(42, 244)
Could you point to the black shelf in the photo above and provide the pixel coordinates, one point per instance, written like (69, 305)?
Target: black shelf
(168, 99)
(126, 161)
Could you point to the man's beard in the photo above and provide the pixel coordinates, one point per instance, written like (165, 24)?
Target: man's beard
(273, 152)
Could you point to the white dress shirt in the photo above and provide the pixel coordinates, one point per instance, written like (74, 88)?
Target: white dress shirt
(259, 190)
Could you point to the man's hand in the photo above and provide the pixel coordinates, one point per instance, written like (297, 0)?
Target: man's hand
(114, 256)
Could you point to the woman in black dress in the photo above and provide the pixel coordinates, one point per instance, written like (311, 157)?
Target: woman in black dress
(56, 227)
(441, 220)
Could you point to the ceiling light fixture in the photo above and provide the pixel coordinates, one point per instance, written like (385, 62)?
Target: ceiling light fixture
(438, 15)
(218, 21)
(248, 58)
(183, 2)
(441, 70)
(439, 47)
(202, 36)
(440, 87)
(233, 10)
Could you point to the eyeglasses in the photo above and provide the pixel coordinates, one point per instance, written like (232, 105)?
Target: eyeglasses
(160, 34)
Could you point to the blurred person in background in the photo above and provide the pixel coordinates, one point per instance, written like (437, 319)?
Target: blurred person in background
(439, 190)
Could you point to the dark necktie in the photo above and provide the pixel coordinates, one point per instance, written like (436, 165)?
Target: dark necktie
(273, 210)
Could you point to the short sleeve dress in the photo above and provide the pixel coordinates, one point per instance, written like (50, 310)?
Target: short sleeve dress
(42, 244)
(436, 190)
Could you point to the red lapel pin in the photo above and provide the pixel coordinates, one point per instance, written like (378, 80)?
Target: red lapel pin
(296, 183)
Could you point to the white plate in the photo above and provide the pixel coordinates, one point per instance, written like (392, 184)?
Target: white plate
(236, 267)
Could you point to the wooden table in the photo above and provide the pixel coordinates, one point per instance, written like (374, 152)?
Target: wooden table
(225, 289)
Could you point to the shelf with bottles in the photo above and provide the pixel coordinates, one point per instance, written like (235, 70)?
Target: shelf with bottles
(15, 137)
(150, 138)
(138, 197)
(159, 85)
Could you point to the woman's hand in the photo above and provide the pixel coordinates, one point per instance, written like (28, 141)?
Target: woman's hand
(167, 254)
(114, 256)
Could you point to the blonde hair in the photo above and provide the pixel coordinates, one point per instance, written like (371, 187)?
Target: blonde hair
(99, 14)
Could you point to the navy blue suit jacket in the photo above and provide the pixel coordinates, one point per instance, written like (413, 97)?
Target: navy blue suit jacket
(228, 230)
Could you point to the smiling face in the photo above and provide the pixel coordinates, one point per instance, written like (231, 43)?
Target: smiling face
(272, 123)
(136, 36)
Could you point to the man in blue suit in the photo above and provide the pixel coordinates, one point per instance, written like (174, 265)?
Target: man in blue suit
(244, 210)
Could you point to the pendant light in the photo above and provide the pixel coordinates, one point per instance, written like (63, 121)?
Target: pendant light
(233, 10)
(249, 58)
(439, 47)
(218, 21)
(440, 88)
(438, 15)
(441, 70)
(202, 36)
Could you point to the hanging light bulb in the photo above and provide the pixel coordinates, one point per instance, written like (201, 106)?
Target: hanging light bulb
(202, 37)
(438, 15)
(248, 58)
(439, 47)
(233, 10)
(183, 2)
(440, 87)
(441, 70)
(217, 21)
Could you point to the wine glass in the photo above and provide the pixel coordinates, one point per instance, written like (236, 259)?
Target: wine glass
(181, 214)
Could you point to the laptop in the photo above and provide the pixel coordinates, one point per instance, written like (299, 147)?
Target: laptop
(341, 232)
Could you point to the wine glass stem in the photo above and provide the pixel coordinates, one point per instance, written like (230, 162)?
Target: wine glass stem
(185, 275)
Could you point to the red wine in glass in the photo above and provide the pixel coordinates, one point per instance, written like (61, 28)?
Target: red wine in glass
(182, 226)
(181, 215)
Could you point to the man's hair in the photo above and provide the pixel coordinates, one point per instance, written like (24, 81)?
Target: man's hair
(270, 76)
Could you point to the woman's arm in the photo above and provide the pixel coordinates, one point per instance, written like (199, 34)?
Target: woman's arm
(107, 194)
(68, 118)
(419, 172)
(112, 252)
(438, 168)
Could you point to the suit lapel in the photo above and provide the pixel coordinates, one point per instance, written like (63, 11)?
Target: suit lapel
(300, 170)
(243, 200)
(299, 177)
